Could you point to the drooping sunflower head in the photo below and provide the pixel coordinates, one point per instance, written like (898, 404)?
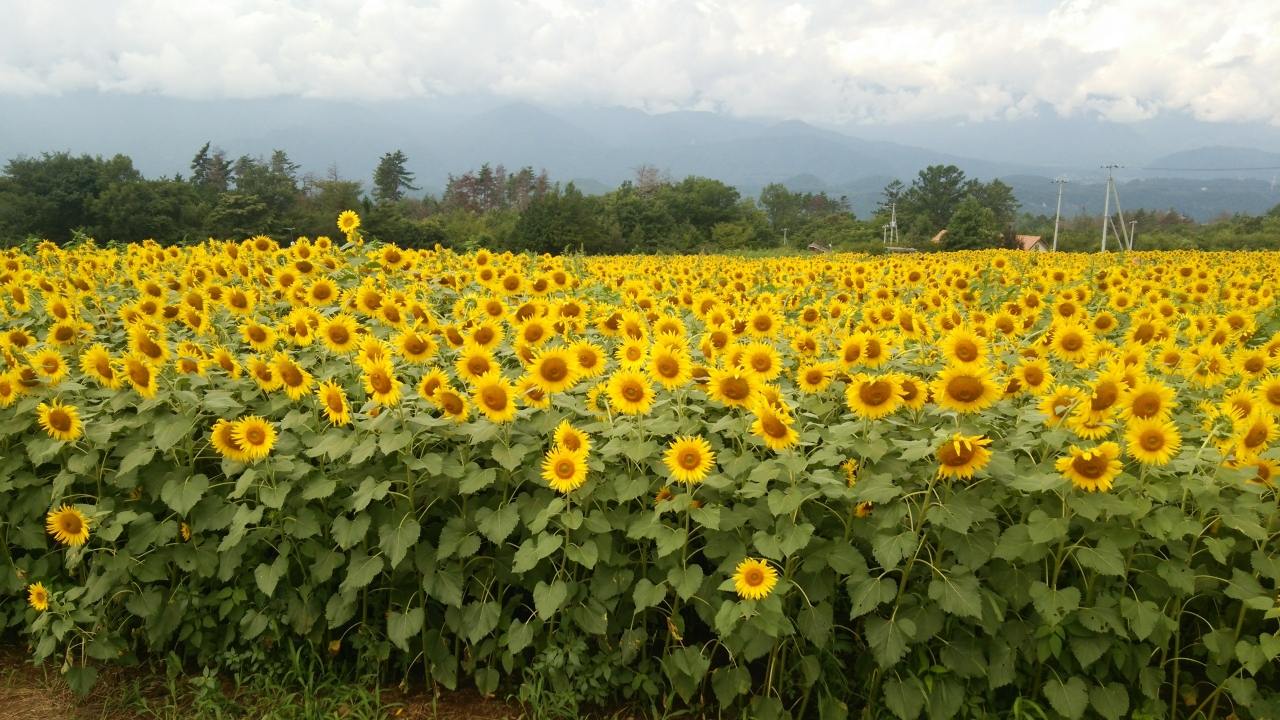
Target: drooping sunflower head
(333, 401)
(571, 437)
(961, 456)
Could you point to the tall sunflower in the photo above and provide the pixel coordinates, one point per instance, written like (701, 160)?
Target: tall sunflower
(61, 422)
(774, 427)
(380, 382)
(565, 470)
(965, 389)
(333, 400)
(630, 392)
(68, 526)
(1153, 441)
(494, 397)
(689, 459)
(754, 579)
(255, 436)
(873, 397)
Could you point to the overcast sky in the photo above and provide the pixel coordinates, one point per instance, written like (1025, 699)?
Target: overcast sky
(829, 62)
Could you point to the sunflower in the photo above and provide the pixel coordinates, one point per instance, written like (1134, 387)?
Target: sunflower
(494, 396)
(453, 404)
(10, 388)
(1153, 441)
(140, 374)
(295, 380)
(762, 360)
(223, 440)
(754, 579)
(1147, 400)
(689, 459)
(416, 347)
(38, 597)
(1034, 376)
(68, 526)
(96, 362)
(962, 347)
(961, 456)
(474, 362)
(380, 382)
(1105, 395)
(590, 357)
(530, 395)
(1072, 342)
(348, 221)
(815, 377)
(554, 370)
(322, 292)
(49, 364)
(965, 389)
(61, 422)
(1265, 471)
(732, 387)
(774, 427)
(564, 469)
(1058, 404)
(1093, 469)
(632, 353)
(671, 367)
(333, 400)
(630, 392)
(1253, 434)
(154, 349)
(225, 360)
(258, 336)
(340, 334)
(568, 436)
(873, 397)
(255, 436)
(431, 382)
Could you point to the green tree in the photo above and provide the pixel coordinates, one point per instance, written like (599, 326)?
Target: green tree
(559, 221)
(781, 206)
(933, 196)
(211, 170)
(971, 227)
(391, 178)
(999, 198)
(52, 195)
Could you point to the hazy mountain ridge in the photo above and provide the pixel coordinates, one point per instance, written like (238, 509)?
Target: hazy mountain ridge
(602, 146)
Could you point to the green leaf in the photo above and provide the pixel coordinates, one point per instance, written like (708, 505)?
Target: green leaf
(320, 489)
(368, 491)
(392, 442)
(815, 623)
(477, 481)
(182, 493)
(361, 570)
(80, 678)
(170, 430)
(397, 539)
(509, 457)
(904, 699)
(402, 626)
(647, 595)
(267, 576)
(867, 593)
(730, 682)
(1054, 604)
(1105, 558)
(547, 599)
(876, 489)
(479, 619)
(136, 458)
(348, 533)
(497, 525)
(708, 517)
(1111, 701)
(888, 639)
(334, 444)
(945, 699)
(686, 582)
(1142, 616)
(1070, 698)
(958, 594)
(889, 550)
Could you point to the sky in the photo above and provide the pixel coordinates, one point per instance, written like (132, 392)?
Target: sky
(861, 62)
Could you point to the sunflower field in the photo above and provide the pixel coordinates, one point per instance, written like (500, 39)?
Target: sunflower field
(975, 485)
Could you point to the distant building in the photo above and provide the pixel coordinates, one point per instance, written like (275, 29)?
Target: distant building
(816, 248)
(1033, 243)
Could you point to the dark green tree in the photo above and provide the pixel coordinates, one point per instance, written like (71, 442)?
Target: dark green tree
(392, 178)
(52, 195)
(211, 170)
(971, 227)
(559, 221)
(998, 197)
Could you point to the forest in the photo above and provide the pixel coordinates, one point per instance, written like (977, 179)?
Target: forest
(67, 198)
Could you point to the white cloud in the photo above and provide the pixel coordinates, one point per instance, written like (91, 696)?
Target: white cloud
(870, 61)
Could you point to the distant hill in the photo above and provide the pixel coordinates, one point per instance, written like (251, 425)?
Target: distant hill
(601, 147)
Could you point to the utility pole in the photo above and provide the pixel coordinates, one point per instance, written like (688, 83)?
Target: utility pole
(1106, 212)
(784, 237)
(1058, 217)
(1133, 229)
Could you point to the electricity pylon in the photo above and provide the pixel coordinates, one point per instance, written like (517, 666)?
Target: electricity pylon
(1122, 234)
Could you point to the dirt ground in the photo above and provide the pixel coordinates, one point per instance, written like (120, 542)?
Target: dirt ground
(30, 692)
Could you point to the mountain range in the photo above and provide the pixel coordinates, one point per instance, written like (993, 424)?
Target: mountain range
(598, 148)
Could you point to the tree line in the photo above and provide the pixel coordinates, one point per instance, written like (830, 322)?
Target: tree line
(63, 197)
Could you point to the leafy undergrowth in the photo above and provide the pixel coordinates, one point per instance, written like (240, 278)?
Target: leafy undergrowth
(30, 691)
